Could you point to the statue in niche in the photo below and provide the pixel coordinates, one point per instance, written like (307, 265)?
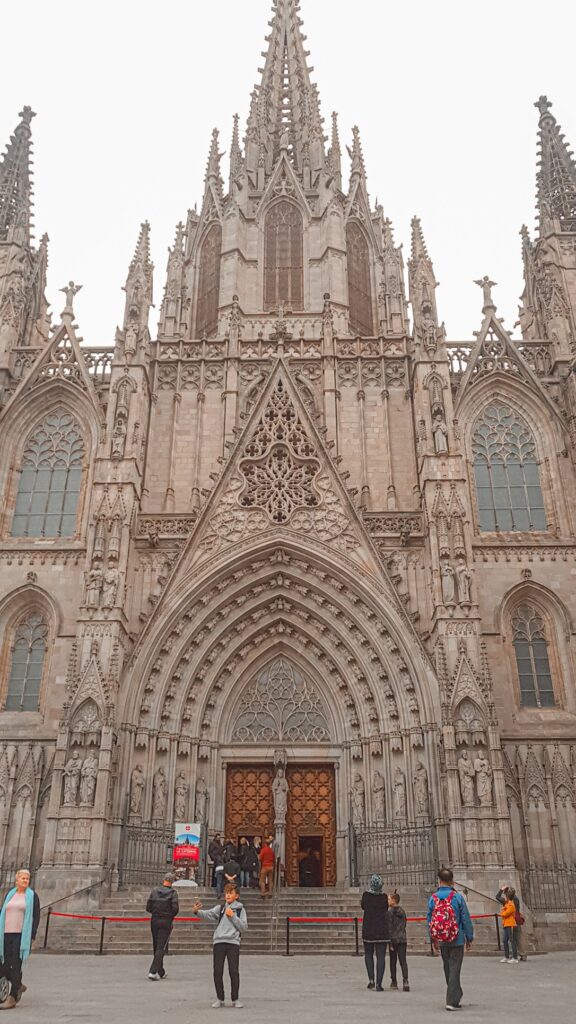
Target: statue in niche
(429, 331)
(201, 800)
(399, 795)
(180, 797)
(94, 581)
(448, 584)
(280, 790)
(88, 777)
(358, 799)
(136, 790)
(72, 771)
(483, 774)
(467, 776)
(464, 577)
(421, 791)
(119, 438)
(440, 432)
(159, 793)
(379, 796)
(110, 588)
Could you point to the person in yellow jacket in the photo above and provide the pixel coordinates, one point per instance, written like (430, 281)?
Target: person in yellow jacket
(508, 915)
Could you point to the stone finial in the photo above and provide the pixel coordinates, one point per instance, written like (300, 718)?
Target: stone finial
(70, 291)
(544, 105)
(487, 285)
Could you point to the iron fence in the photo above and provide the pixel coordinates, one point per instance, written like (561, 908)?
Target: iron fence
(147, 851)
(550, 888)
(403, 855)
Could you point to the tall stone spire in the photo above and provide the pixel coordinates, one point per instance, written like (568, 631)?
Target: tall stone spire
(556, 182)
(16, 183)
(285, 109)
(335, 152)
(235, 154)
(138, 285)
(422, 287)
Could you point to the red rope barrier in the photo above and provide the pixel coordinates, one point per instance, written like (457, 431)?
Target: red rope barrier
(298, 920)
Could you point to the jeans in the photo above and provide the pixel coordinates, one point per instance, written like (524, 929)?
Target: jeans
(398, 952)
(161, 931)
(452, 957)
(380, 949)
(510, 943)
(12, 966)
(219, 882)
(244, 879)
(227, 951)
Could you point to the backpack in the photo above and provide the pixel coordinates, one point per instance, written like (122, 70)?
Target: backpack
(443, 923)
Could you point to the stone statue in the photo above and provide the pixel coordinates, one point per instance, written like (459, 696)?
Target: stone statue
(88, 777)
(421, 793)
(110, 588)
(201, 800)
(280, 795)
(467, 774)
(136, 790)
(440, 431)
(72, 779)
(93, 588)
(159, 792)
(448, 584)
(358, 800)
(379, 796)
(180, 797)
(486, 285)
(119, 438)
(483, 773)
(464, 577)
(70, 291)
(399, 794)
(429, 333)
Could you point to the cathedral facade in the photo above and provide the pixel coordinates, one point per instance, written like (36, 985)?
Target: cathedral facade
(297, 533)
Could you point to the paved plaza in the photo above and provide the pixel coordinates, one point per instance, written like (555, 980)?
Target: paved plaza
(94, 990)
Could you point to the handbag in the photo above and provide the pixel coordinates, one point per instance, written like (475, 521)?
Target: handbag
(519, 919)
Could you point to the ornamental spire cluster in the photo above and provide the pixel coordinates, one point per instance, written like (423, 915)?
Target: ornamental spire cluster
(16, 183)
(556, 182)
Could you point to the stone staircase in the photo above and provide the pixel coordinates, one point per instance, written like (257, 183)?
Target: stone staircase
(267, 924)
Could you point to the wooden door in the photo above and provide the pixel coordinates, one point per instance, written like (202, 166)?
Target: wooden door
(249, 805)
(311, 812)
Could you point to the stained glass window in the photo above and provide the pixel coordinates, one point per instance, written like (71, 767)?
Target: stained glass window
(28, 652)
(359, 281)
(283, 257)
(209, 283)
(506, 470)
(50, 479)
(532, 661)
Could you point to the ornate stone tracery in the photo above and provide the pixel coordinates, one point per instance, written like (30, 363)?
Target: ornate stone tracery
(281, 704)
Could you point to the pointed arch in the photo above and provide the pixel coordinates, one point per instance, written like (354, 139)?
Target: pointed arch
(208, 297)
(284, 256)
(536, 629)
(29, 620)
(359, 280)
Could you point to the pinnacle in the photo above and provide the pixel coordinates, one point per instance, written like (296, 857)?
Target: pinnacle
(356, 154)
(16, 183)
(419, 250)
(142, 250)
(556, 178)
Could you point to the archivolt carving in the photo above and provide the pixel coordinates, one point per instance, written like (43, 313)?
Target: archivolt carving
(281, 704)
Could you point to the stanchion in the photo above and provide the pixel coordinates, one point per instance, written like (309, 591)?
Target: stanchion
(102, 927)
(48, 915)
(287, 936)
(356, 936)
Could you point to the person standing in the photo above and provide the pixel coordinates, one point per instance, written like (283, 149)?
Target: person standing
(451, 931)
(19, 920)
(267, 861)
(216, 854)
(508, 915)
(375, 934)
(398, 941)
(162, 904)
(502, 896)
(231, 922)
(257, 846)
(244, 861)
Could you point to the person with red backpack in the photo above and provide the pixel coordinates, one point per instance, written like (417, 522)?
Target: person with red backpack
(451, 930)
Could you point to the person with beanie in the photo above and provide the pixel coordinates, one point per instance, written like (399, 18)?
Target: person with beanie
(374, 903)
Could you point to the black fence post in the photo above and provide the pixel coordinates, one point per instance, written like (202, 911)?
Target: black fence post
(356, 936)
(102, 927)
(48, 915)
(497, 923)
(287, 936)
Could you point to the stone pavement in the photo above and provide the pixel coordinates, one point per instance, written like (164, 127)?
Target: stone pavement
(300, 990)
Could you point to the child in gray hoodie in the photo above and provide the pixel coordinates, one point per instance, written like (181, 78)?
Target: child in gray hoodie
(230, 922)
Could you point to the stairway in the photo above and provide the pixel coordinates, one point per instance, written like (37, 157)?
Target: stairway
(266, 919)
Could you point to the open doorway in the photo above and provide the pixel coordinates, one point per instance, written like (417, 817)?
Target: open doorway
(310, 861)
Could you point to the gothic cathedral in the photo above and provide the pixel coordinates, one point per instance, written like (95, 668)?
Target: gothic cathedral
(297, 528)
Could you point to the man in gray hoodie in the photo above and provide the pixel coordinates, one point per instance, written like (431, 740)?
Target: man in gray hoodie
(230, 921)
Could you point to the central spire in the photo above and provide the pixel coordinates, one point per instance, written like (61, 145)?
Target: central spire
(285, 110)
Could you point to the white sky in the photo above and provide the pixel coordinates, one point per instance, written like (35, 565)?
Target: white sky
(127, 93)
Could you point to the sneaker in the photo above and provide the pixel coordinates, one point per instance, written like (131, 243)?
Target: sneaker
(448, 1007)
(513, 960)
(505, 960)
(154, 977)
(379, 988)
(238, 1005)
(394, 984)
(370, 984)
(405, 987)
(217, 1004)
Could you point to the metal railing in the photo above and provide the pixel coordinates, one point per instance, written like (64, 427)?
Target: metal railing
(550, 889)
(403, 855)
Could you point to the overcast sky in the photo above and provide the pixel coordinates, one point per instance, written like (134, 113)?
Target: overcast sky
(127, 93)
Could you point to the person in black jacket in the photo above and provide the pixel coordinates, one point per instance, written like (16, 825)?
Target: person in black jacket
(216, 854)
(398, 940)
(19, 920)
(375, 930)
(163, 905)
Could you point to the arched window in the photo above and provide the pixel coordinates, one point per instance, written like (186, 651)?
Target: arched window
(50, 479)
(28, 652)
(209, 283)
(507, 475)
(359, 280)
(283, 257)
(532, 661)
